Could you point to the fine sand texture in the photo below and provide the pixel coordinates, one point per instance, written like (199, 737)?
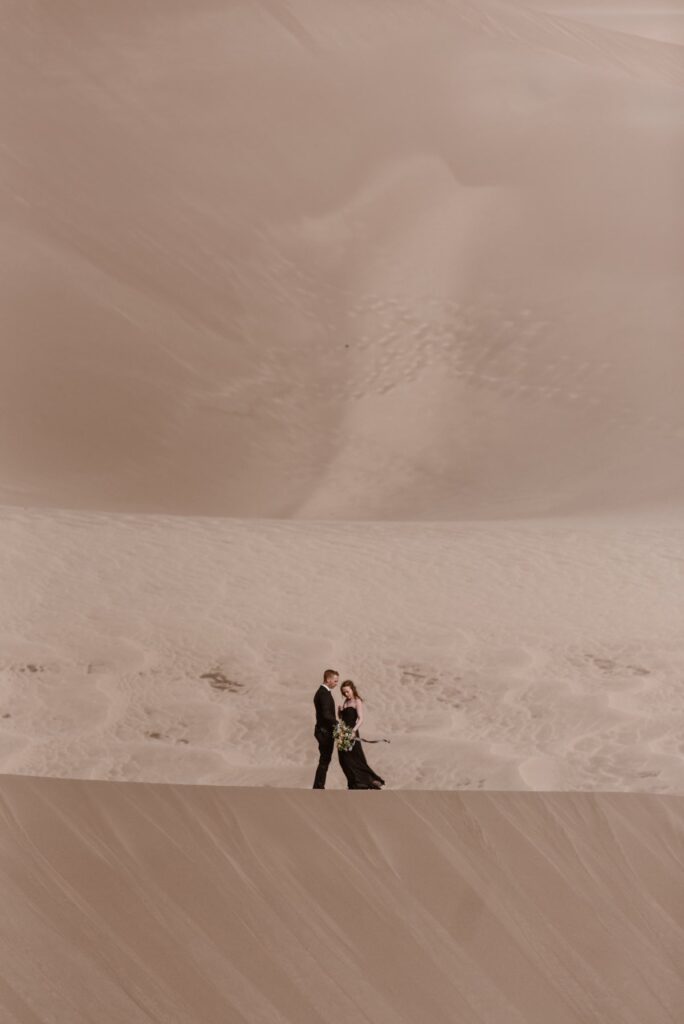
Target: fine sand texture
(341, 334)
(148, 904)
(504, 655)
(413, 259)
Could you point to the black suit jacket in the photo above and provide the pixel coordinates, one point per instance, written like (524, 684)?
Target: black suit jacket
(324, 702)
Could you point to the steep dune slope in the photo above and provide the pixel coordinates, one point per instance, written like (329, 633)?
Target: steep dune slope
(135, 903)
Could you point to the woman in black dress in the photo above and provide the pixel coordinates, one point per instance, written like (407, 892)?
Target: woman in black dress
(353, 762)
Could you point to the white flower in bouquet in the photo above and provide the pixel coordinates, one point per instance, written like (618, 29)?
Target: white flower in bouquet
(345, 736)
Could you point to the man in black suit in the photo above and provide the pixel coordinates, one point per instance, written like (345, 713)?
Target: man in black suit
(326, 720)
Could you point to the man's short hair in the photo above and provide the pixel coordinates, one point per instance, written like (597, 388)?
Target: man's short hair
(329, 673)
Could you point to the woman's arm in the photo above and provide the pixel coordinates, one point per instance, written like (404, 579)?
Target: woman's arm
(359, 714)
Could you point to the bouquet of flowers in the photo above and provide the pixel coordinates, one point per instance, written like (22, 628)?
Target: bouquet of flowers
(345, 737)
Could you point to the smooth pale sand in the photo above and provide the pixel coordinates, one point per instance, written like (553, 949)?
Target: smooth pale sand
(349, 334)
(388, 260)
(134, 903)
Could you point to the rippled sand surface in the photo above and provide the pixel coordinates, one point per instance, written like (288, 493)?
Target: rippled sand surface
(341, 334)
(520, 655)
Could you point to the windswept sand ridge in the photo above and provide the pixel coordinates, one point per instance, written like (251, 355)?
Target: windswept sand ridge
(134, 904)
(662, 23)
(572, 31)
(540, 655)
(407, 261)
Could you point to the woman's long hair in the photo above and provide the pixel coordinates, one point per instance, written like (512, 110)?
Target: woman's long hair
(352, 686)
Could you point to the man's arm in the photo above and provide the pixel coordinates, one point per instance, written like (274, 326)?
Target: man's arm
(325, 707)
(331, 713)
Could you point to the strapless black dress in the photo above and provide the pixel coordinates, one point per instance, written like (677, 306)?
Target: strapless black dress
(353, 762)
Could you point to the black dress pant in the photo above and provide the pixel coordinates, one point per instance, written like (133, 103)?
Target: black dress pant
(326, 745)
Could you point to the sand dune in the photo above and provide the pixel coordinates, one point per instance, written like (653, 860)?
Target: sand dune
(341, 334)
(536, 655)
(138, 903)
(662, 23)
(388, 263)
(418, 260)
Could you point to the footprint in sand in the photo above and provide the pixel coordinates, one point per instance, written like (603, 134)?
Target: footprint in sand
(154, 735)
(449, 692)
(218, 681)
(414, 675)
(605, 664)
(608, 665)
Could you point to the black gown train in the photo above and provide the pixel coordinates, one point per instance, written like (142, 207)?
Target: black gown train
(353, 762)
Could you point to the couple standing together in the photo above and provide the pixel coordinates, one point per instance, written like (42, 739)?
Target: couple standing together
(358, 773)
